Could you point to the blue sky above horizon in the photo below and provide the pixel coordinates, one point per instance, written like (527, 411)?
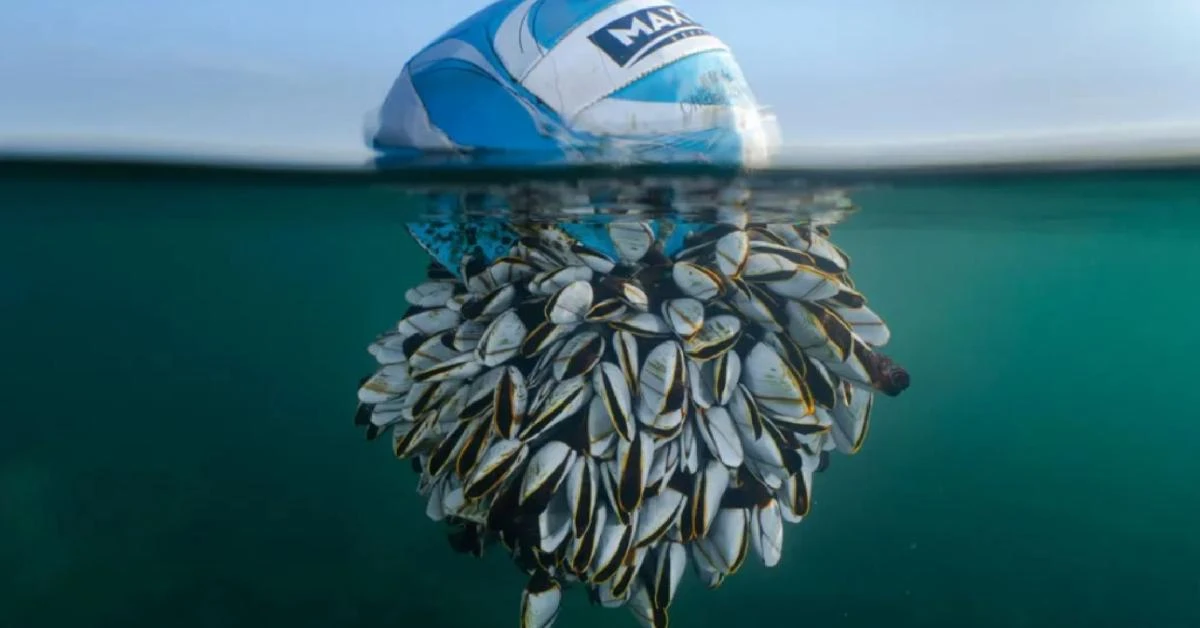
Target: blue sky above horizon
(302, 76)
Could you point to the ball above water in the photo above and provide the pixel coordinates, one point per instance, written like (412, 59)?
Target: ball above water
(572, 80)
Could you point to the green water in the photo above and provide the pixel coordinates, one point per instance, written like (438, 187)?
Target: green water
(181, 359)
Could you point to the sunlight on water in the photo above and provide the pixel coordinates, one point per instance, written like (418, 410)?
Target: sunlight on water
(186, 345)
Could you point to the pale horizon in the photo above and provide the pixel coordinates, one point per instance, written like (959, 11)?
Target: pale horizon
(274, 79)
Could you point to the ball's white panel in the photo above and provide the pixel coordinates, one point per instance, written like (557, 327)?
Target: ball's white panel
(514, 41)
(612, 49)
(614, 116)
(759, 131)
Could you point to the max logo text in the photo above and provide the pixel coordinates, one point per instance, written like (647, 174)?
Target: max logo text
(631, 37)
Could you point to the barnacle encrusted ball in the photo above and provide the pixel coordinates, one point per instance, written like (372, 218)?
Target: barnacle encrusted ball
(610, 417)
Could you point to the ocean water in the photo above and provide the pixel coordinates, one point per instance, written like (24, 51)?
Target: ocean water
(182, 351)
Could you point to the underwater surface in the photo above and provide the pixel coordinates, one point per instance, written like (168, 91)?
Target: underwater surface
(183, 350)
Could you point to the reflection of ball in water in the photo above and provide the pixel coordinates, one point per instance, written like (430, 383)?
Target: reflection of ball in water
(566, 79)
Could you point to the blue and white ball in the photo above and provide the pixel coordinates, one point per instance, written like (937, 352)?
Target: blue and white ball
(526, 82)
(615, 402)
(575, 80)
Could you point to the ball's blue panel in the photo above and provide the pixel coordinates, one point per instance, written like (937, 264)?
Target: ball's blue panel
(448, 242)
(593, 234)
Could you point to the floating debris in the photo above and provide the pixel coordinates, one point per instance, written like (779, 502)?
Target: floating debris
(609, 419)
(612, 372)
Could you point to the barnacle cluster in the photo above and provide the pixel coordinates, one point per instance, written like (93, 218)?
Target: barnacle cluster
(609, 418)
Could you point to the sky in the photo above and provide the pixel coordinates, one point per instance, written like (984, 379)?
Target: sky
(299, 77)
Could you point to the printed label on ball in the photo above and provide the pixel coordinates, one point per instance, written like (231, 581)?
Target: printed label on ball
(616, 46)
(630, 37)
